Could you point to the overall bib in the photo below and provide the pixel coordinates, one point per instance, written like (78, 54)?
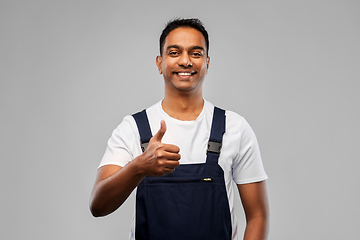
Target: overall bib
(188, 204)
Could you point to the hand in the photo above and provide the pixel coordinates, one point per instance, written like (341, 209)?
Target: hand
(159, 158)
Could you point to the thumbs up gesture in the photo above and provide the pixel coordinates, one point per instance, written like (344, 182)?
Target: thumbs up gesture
(160, 158)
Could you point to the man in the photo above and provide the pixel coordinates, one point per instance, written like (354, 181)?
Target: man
(183, 179)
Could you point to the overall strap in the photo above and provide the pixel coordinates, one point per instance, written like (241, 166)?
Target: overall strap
(143, 125)
(216, 134)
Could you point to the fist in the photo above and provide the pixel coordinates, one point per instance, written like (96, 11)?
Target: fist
(160, 158)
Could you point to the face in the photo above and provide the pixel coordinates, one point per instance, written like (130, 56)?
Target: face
(184, 62)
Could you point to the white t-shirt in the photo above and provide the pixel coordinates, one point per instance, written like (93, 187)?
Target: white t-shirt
(240, 156)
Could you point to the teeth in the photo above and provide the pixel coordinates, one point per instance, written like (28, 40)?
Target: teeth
(184, 74)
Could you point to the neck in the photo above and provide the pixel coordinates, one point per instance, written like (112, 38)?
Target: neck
(183, 107)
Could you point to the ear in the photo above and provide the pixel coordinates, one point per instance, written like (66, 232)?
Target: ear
(158, 63)
(207, 63)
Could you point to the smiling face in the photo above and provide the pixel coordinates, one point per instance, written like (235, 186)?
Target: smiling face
(184, 62)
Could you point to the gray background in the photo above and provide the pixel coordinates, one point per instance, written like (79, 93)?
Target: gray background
(71, 70)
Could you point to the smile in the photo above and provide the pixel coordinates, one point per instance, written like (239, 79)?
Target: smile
(185, 73)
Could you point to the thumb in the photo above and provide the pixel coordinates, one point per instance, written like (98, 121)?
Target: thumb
(159, 135)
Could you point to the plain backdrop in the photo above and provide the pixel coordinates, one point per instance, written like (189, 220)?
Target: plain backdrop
(71, 70)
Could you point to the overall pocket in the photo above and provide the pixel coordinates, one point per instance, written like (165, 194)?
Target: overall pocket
(184, 208)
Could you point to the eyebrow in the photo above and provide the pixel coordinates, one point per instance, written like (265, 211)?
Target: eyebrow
(190, 48)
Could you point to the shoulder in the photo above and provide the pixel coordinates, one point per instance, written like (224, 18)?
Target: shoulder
(234, 119)
(122, 147)
(127, 124)
(237, 128)
(237, 124)
(231, 117)
(125, 134)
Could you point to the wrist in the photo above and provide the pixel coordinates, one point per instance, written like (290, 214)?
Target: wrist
(138, 168)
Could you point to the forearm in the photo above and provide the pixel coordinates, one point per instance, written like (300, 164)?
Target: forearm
(257, 228)
(110, 193)
(114, 184)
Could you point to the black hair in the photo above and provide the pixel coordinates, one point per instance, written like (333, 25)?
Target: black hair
(184, 22)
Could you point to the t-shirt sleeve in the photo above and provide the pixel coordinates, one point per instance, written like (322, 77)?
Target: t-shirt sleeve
(123, 145)
(248, 166)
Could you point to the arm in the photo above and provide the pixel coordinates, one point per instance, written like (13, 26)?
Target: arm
(112, 187)
(114, 184)
(255, 203)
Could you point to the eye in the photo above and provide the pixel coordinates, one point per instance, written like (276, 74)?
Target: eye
(197, 54)
(173, 53)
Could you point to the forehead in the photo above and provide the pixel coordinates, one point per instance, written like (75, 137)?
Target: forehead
(185, 37)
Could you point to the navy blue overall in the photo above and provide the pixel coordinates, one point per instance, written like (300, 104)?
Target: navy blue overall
(188, 204)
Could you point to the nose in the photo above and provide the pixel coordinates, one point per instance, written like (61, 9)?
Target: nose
(185, 60)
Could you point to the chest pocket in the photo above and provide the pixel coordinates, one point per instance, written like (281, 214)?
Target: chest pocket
(188, 204)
